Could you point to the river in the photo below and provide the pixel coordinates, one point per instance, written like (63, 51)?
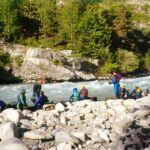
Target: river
(62, 91)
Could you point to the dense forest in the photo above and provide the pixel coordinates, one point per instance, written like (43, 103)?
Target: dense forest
(114, 31)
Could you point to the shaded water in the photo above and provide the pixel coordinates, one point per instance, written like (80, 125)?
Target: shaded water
(62, 91)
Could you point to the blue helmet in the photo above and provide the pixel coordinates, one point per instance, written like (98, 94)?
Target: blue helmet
(75, 90)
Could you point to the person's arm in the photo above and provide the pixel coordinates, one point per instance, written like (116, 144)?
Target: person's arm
(114, 79)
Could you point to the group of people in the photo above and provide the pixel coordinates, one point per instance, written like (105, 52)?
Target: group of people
(78, 95)
(120, 90)
(38, 97)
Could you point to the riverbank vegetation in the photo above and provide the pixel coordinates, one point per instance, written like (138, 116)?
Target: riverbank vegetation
(115, 32)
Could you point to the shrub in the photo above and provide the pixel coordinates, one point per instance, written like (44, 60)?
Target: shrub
(4, 59)
(127, 61)
(106, 69)
(147, 61)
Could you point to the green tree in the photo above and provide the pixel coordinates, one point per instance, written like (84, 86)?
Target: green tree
(122, 26)
(9, 15)
(94, 33)
(4, 59)
(42, 15)
(147, 61)
(128, 61)
(68, 22)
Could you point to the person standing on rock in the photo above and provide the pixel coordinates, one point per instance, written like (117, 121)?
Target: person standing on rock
(115, 81)
(21, 100)
(37, 87)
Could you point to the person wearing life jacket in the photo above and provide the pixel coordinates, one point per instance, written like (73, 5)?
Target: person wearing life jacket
(145, 92)
(21, 100)
(37, 87)
(75, 95)
(115, 82)
(83, 93)
(136, 93)
(2, 105)
(40, 100)
(123, 92)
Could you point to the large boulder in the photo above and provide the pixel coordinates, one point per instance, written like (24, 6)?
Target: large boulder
(12, 115)
(8, 131)
(13, 144)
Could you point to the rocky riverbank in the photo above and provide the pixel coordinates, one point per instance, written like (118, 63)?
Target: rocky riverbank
(84, 125)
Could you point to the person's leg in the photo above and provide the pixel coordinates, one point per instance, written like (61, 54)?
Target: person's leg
(117, 95)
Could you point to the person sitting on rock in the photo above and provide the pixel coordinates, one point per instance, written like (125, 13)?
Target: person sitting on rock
(2, 105)
(145, 92)
(136, 93)
(83, 93)
(123, 92)
(40, 100)
(75, 96)
(21, 100)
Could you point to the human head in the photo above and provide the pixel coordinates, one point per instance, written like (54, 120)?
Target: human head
(114, 72)
(122, 86)
(82, 86)
(23, 91)
(75, 90)
(42, 93)
(40, 81)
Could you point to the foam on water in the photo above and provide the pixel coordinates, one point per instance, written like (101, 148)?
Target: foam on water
(62, 91)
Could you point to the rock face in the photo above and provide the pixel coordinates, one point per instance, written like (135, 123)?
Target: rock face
(32, 63)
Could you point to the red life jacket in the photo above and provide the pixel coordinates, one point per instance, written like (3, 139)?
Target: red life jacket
(83, 92)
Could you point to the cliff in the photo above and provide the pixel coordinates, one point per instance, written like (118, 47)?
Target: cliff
(28, 64)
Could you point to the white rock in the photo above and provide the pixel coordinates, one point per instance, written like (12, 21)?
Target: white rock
(13, 144)
(59, 107)
(119, 109)
(26, 112)
(63, 120)
(8, 131)
(131, 104)
(103, 134)
(52, 148)
(62, 136)
(79, 135)
(12, 115)
(37, 135)
(64, 146)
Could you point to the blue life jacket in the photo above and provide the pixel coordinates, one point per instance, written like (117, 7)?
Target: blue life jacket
(38, 102)
(116, 84)
(2, 105)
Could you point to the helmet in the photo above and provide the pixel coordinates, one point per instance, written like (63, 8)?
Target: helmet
(75, 90)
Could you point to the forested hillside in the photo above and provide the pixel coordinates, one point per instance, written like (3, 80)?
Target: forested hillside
(117, 32)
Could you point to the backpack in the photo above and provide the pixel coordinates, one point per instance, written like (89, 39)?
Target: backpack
(119, 76)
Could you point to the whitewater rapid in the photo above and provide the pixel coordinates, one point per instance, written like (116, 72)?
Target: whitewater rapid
(62, 91)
